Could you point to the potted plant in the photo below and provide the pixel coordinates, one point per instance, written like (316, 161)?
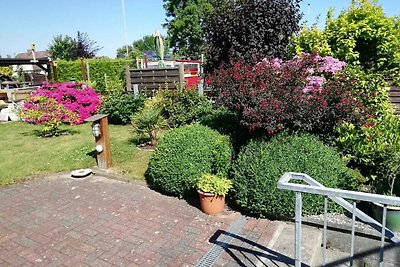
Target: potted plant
(212, 190)
(387, 186)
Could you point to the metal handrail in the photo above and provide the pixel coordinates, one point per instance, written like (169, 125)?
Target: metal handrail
(338, 196)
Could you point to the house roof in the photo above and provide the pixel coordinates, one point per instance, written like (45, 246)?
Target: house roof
(28, 55)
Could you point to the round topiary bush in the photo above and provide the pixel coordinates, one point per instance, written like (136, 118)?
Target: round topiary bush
(184, 154)
(260, 164)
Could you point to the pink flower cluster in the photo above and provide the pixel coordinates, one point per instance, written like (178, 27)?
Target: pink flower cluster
(78, 98)
(314, 84)
(319, 69)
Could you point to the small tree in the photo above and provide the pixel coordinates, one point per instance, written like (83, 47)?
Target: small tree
(67, 48)
(84, 47)
(61, 47)
(244, 29)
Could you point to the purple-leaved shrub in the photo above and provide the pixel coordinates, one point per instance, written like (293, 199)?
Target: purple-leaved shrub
(308, 93)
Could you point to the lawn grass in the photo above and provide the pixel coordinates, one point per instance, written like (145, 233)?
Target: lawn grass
(24, 155)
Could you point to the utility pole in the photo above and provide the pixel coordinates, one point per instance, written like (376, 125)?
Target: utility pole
(126, 34)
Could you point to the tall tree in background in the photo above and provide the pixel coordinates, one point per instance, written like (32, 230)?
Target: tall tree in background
(184, 24)
(61, 47)
(245, 29)
(84, 46)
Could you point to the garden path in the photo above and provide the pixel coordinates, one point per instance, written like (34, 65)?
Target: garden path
(96, 221)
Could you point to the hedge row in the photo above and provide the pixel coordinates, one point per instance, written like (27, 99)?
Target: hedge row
(100, 70)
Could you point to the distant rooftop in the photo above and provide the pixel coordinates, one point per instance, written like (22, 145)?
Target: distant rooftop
(38, 55)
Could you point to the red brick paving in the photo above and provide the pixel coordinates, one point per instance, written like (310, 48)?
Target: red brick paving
(58, 221)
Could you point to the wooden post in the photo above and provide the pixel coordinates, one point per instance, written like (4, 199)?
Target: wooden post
(49, 72)
(128, 78)
(145, 61)
(55, 74)
(104, 160)
(83, 71)
(181, 76)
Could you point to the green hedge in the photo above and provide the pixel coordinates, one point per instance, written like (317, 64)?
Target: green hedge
(260, 164)
(184, 154)
(98, 68)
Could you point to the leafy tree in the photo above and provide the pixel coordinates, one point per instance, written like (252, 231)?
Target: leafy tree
(311, 39)
(67, 48)
(361, 35)
(6, 71)
(145, 44)
(140, 46)
(244, 29)
(185, 25)
(84, 47)
(364, 36)
(133, 53)
(61, 47)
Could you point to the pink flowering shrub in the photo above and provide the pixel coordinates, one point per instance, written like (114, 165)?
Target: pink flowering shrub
(54, 104)
(308, 93)
(46, 111)
(78, 98)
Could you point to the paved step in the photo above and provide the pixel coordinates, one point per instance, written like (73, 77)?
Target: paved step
(282, 242)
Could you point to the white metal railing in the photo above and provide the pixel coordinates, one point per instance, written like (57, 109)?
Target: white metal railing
(338, 196)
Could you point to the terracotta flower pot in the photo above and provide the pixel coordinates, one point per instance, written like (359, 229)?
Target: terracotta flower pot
(210, 203)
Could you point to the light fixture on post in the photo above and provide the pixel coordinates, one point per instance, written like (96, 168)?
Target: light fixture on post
(96, 129)
(101, 136)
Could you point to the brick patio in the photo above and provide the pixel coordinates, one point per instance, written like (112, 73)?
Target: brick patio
(59, 221)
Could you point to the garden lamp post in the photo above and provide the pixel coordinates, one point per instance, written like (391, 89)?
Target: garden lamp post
(102, 139)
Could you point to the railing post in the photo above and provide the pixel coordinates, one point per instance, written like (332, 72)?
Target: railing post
(353, 233)
(297, 243)
(325, 230)
(384, 210)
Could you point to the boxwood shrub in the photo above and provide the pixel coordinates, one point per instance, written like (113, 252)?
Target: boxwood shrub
(260, 164)
(184, 154)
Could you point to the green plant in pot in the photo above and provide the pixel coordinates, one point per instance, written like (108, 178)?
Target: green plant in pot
(212, 190)
(387, 184)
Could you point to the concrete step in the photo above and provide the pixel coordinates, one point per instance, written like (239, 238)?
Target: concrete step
(282, 242)
(366, 249)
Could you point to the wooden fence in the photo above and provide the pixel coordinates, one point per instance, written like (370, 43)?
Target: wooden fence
(148, 81)
(394, 94)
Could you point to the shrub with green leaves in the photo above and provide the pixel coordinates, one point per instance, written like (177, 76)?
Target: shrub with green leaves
(311, 39)
(120, 106)
(149, 120)
(374, 149)
(261, 163)
(184, 154)
(182, 107)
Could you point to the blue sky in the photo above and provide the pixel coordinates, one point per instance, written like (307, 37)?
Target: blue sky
(25, 22)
